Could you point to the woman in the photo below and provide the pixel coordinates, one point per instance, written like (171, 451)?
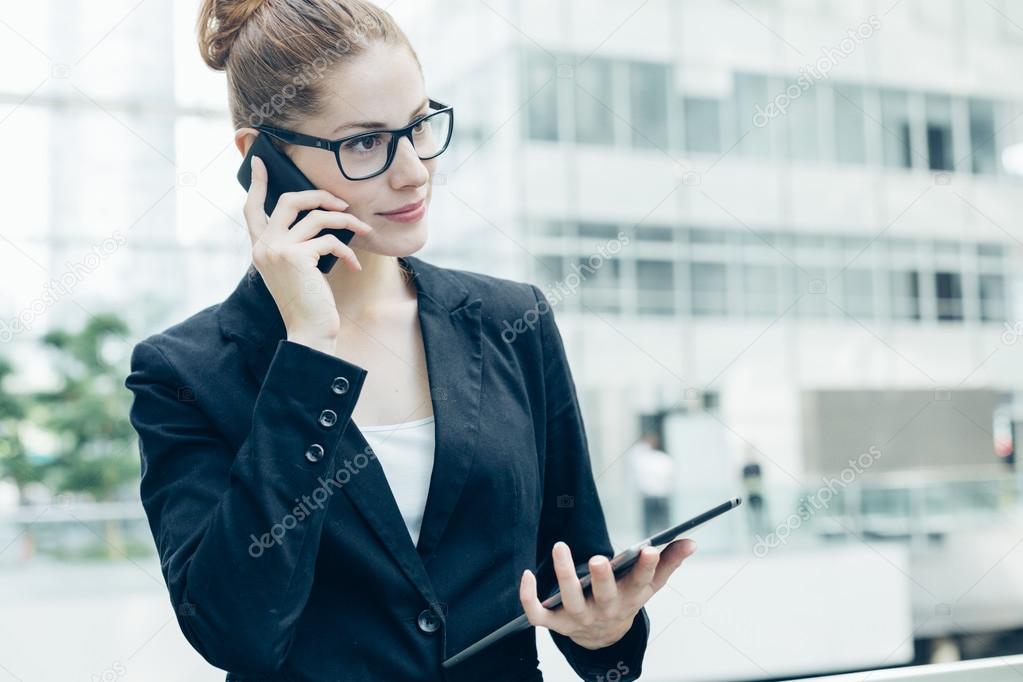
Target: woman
(348, 476)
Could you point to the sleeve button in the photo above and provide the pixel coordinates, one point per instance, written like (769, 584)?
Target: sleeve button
(328, 418)
(340, 385)
(314, 453)
(428, 621)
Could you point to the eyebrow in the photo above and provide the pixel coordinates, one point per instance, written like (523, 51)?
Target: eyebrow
(376, 124)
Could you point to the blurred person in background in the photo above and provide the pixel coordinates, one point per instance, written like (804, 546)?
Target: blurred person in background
(753, 486)
(654, 473)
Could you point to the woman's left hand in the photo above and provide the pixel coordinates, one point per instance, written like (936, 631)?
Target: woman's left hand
(603, 616)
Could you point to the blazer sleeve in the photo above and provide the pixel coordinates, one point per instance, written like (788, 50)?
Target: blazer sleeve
(236, 550)
(572, 510)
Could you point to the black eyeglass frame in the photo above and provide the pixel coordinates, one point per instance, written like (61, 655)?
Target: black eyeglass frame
(303, 140)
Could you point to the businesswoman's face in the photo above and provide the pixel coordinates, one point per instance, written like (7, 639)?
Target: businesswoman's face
(382, 87)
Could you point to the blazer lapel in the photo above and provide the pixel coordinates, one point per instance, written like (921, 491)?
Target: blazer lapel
(452, 337)
(454, 358)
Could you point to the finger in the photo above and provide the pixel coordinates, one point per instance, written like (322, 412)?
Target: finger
(642, 574)
(328, 243)
(602, 583)
(291, 203)
(535, 612)
(255, 216)
(317, 220)
(572, 598)
(671, 558)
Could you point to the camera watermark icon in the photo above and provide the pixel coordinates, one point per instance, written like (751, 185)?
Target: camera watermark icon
(60, 71)
(692, 609)
(1012, 333)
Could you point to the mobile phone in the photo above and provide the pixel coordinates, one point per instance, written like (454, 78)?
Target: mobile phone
(285, 176)
(621, 564)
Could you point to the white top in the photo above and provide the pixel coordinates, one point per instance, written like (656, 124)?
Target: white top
(653, 470)
(405, 452)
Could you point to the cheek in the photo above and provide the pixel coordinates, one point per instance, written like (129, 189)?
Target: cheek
(322, 171)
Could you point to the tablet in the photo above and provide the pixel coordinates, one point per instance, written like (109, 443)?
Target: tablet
(621, 564)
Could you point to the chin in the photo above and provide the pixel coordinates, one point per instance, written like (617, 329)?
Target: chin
(394, 239)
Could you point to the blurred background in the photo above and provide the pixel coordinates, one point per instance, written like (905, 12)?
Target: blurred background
(781, 237)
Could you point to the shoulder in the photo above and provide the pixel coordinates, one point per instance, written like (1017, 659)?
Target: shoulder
(189, 340)
(510, 307)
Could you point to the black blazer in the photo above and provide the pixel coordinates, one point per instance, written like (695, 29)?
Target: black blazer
(282, 547)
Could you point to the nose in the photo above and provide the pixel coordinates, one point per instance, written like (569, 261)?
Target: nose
(407, 168)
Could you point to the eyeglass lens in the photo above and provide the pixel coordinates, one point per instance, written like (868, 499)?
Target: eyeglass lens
(367, 154)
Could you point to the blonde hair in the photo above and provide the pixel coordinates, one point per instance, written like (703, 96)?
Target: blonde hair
(276, 52)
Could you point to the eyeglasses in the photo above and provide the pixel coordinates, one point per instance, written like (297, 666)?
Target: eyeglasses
(366, 155)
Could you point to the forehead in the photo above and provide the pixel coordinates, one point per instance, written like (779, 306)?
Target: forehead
(382, 84)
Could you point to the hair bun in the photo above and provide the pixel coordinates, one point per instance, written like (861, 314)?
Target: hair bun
(218, 25)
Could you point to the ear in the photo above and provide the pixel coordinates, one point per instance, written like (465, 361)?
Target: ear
(243, 139)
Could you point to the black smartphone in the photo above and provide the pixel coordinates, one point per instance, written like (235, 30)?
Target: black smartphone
(285, 176)
(621, 564)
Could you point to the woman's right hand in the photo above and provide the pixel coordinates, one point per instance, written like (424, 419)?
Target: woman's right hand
(287, 258)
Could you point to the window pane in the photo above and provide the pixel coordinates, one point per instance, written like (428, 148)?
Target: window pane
(992, 298)
(598, 272)
(703, 125)
(939, 132)
(760, 289)
(593, 97)
(542, 85)
(858, 293)
(708, 284)
(598, 231)
(990, 250)
(654, 233)
(698, 236)
(751, 98)
(655, 286)
(655, 275)
(648, 90)
(812, 284)
(600, 283)
(802, 126)
(905, 287)
(896, 134)
(948, 286)
(850, 133)
(982, 137)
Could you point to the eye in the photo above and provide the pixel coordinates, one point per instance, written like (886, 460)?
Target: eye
(366, 143)
(421, 126)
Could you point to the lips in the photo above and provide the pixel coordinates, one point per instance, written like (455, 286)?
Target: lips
(407, 208)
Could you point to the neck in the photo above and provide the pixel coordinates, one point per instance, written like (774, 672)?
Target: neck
(379, 285)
